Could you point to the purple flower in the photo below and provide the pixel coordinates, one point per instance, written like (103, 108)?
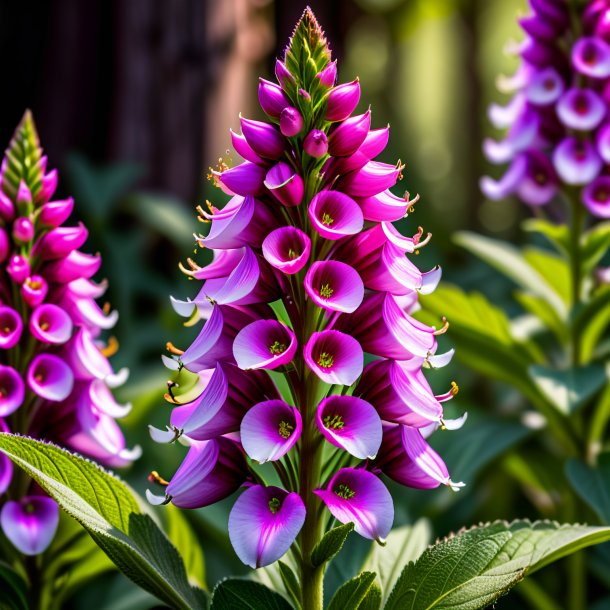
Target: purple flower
(12, 390)
(342, 101)
(285, 184)
(316, 143)
(287, 249)
(359, 497)
(263, 138)
(264, 344)
(269, 430)
(50, 377)
(334, 357)
(291, 121)
(271, 98)
(334, 215)
(264, 523)
(11, 327)
(596, 197)
(334, 286)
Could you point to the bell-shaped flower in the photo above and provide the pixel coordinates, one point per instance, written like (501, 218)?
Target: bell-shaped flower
(243, 179)
(384, 207)
(335, 215)
(287, 249)
(351, 424)
(243, 221)
(596, 197)
(59, 242)
(55, 213)
(520, 137)
(269, 430)
(581, 109)
(335, 357)
(401, 395)
(263, 524)
(374, 144)
(349, 135)
(30, 523)
(271, 98)
(264, 344)
(576, 161)
(76, 265)
(51, 324)
(334, 286)
(12, 390)
(11, 327)
(34, 290)
(372, 179)
(264, 139)
(406, 457)
(50, 377)
(285, 184)
(342, 101)
(359, 497)
(591, 57)
(18, 268)
(544, 88)
(211, 471)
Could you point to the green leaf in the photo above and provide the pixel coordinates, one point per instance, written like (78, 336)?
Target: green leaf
(372, 600)
(569, 389)
(352, 593)
(472, 569)
(290, 581)
(557, 234)
(403, 544)
(233, 593)
(595, 243)
(553, 268)
(13, 589)
(180, 532)
(591, 322)
(108, 509)
(548, 316)
(330, 544)
(512, 263)
(591, 484)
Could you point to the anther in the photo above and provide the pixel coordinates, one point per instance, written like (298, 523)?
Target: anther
(155, 477)
(444, 328)
(172, 349)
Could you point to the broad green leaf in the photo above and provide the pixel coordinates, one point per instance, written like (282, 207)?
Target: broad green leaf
(557, 234)
(591, 484)
(372, 600)
(180, 532)
(548, 316)
(472, 569)
(403, 544)
(233, 593)
(290, 581)
(511, 262)
(595, 243)
(569, 389)
(330, 544)
(112, 515)
(13, 589)
(352, 593)
(591, 322)
(553, 268)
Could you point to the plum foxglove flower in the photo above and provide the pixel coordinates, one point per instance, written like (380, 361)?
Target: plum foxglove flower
(308, 274)
(55, 376)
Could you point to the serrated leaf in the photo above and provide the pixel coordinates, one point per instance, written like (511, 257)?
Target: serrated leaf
(569, 389)
(330, 544)
(352, 593)
(512, 263)
(472, 569)
(233, 593)
(109, 510)
(403, 544)
(591, 483)
(13, 589)
(372, 600)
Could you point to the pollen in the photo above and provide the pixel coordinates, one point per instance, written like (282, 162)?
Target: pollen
(327, 219)
(325, 360)
(326, 291)
(335, 422)
(277, 348)
(274, 505)
(285, 429)
(292, 254)
(454, 388)
(343, 491)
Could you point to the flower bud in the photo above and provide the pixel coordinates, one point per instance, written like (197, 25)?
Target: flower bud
(264, 139)
(4, 245)
(342, 101)
(55, 213)
(271, 98)
(34, 290)
(24, 199)
(291, 121)
(316, 144)
(347, 138)
(7, 209)
(23, 230)
(49, 184)
(285, 184)
(18, 268)
(282, 74)
(328, 76)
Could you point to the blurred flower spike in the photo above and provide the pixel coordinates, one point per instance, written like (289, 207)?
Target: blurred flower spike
(308, 277)
(558, 122)
(55, 376)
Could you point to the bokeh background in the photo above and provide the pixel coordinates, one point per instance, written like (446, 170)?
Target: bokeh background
(134, 99)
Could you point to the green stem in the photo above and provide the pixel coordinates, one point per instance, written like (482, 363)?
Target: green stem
(576, 229)
(601, 415)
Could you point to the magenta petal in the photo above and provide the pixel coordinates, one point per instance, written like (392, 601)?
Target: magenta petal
(351, 424)
(596, 197)
(263, 524)
(12, 390)
(244, 179)
(291, 122)
(55, 213)
(581, 109)
(384, 207)
(359, 497)
(603, 142)
(576, 162)
(30, 524)
(50, 377)
(264, 139)
(334, 215)
(285, 184)
(287, 249)
(372, 179)
(334, 286)
(50, 324)
(328, 76)
(271, 98)
(265, 344)
(11, 327)
(76, 265)
(335, 357)
(59, 242)
(544, 88)
(591, 57)
(244, 149)
(342, 101)
(6, 465)
(270, 429)
(349, 135)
